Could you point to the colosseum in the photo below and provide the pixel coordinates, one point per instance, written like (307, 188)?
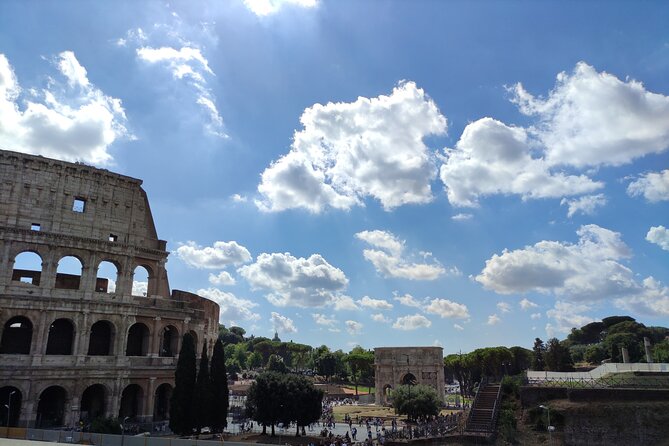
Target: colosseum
(89, 325)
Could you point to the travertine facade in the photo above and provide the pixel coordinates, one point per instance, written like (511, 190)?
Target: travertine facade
(78, 346)
(394, 366)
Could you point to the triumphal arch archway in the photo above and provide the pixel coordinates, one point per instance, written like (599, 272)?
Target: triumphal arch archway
(395, 366)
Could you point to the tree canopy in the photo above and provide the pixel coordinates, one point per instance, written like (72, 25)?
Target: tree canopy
(416, 402)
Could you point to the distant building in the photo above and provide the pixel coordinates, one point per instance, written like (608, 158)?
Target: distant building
(76, 345)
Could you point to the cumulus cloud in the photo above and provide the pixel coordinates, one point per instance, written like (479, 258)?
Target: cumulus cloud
(380, 317)
(458, 327)
(412, 322)
(282, 324)
(389, 261)
(493, 319)
(353, 327)
(504, 307)
(408, 300)
(238, 198)
(222, 278)
(462, 217)
(586, 205)
(347, 152)
(322, 319)
(377, 304)
(568, 315)
(653, 186)
(73, 122)
(187, 64)
(660, 236)
(445, 308)
(494, 158)
(218, 256)
(292, 281)
(535, 316)
(139, 288)
(526, 304)
(344, 303)
(268, 7)
(593, 118)
(234, 310)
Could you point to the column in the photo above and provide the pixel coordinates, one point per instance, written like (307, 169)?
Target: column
(150, 398)
(154, 350)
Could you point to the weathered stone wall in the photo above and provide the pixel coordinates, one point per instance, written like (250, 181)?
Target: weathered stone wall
(115, 225)
(392, 364)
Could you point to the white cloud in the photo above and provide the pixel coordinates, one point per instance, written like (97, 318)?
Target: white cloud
(389, 262)
(268, 7)
(445, 308)
(349, 151)
(494, 158)
(660, 236)
(234, 310)
(344, 303)
(353, 327)
(380, 317)
(377, 304)
(437, 343)
(408, 300)
(322, 319)
(282, 324)
(458, 327)
(292, 281)
(493, 319)
(592, 119)
(586, 204)
(139, 288)
(568, 315)
(73, 122)
(526, 304)
(589, 269)
(218, 256)
(462, 217)
(654, 186)
(222, 278)
(535, 316)
(652, 300)
(188, 64)
(239, 198)
(504, 307)
(412, 322)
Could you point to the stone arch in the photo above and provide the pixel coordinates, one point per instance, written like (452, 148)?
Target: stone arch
(107, 276)
(60, 340)
(408, 379)
(141, 280)
(101, 340)
(169, 341)
(68, 272)
(51, 407)
(387, 391)
(138, 340)
(11, 399)
(161, 406)
(195, 341)
(27, 267)
(132, 402)
(93, 402)
(17, 336)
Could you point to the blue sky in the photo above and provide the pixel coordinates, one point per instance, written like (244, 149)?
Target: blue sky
(462, 174)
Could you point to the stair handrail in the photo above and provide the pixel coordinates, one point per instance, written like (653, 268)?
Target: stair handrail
(495, 410)
(482, 383)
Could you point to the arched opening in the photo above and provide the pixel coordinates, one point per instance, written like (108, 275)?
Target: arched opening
(138, 340)
(10, 398)
(101, 342)
(27, 268)
(93, 402)
(61, 337)
(107, 275)
(161, 406)
(51, 407)
(131, 402)
(16, 337)
(409, 380)
(68, 274)
(169, 342)
(387, 394)
(194, 335)
(140, 281)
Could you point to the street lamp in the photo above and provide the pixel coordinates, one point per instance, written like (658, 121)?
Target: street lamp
(125, 420)
(9, 407)
(549, 428)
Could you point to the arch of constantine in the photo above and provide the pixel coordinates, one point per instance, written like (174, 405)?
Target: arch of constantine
(395, 366)
(74, 344)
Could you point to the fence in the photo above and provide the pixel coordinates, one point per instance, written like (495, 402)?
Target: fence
(616, 380)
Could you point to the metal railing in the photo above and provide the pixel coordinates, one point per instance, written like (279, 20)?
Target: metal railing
(495, 409)
(482, 384)
(612, 381)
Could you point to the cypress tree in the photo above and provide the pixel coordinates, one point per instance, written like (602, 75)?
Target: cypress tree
(202, 398)
(181, 403)
(219, 388)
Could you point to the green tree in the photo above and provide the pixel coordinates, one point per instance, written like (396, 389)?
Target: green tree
(264, 400)
(661, 352)
(595, 354)
(326, 365)
(538, 350)
(181, 403)
(219, 389)
(360, 362)
(557, 357)
(276, 364)
(302, 402)
(416, 402)
(254, 360)
(202, 397)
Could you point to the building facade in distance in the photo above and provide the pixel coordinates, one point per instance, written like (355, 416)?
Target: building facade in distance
(81, 336)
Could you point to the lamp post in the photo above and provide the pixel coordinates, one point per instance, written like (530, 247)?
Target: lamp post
(125, 420)
(9, 408)
(549, 428)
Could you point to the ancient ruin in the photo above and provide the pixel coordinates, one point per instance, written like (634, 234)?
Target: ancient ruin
(82, 335)
(395, 366)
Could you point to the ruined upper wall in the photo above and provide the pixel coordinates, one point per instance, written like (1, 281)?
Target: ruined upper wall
(51, 193)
